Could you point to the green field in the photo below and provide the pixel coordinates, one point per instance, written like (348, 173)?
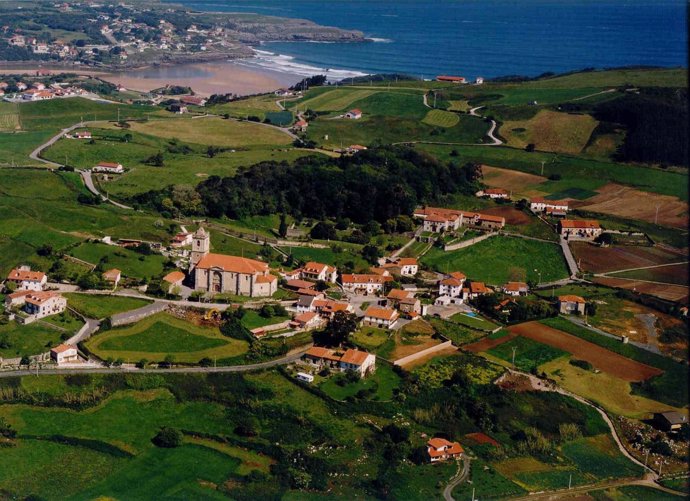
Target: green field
(379, 386)
(213, 131)
(29, 339)
(529, 354)
(441, 118)
(160, 335)
(500, 259)
(132, 264)
(580, 171)
(332, 100)
(101, 306)
(252, 319)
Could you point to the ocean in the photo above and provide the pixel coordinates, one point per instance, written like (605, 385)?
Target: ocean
(487, 38)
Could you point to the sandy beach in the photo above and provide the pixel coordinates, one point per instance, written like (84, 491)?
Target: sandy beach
(204, 78)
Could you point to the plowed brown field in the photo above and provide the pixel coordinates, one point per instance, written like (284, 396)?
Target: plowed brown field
(601, 358)
(597, 259)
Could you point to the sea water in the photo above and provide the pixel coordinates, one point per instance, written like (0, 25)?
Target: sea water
(487, 38)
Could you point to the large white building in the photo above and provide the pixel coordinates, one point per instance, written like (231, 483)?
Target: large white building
(319, 271)
(37, 304)
(218, 273)
(27, 280)
(452, 285)
(364, 283)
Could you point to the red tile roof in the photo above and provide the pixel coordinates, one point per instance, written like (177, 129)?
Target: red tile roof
(24, 275)
(364, 279)
(381, 313)
(233, 264)
(354, 357)
(173, 276)
(570, 298)
(580, 224)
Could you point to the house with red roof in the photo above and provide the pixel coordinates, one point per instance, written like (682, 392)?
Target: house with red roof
(383, 318)
(25, 279)
(173, 280)
(451, 285)
(476, 289)
(307, 321)
(438, 219)
(319, 271)
(364, 283)
(451, 79)
(570, 304)
(300, 126)
(64, 354)
(218, 273)
(404, 301)
(440, 449)
(357, 361)
(37, 304)
(581, 229)
(540, 204)
(113, 276)
(515, 289)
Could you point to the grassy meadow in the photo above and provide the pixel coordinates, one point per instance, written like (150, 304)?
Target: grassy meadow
(160, 335)
(100, 306)
(500, 259)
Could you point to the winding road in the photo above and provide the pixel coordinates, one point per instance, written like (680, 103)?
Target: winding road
(460, 477)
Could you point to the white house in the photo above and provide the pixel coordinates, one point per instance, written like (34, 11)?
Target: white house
(64, 354)
(515, 289)
(494, 193)
(452, 285)
(319, 271)
(355, 114)
(440, 449)
(109, 167)
(307, 321)
(28, 280)
(351, 360)
(380, 317)
(582, 229)
(479, 81)
(405, 266)
(541, 205)
(364, 283)
(82, 134)
(37, 304)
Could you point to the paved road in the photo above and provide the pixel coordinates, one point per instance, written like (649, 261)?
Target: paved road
(35, 155)
(569, 258)
(496, 141)
(131, 316)
(175, 370)
(460, 477)
(88, 182)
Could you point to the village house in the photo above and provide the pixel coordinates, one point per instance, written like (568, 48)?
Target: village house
(494, 193)
(515, 289)
(542, 205)
(354, 114)
(383, 318)
(357, 361)
(178, 108)
(112, 276)
(173, 280)
(476, 289)
(440, 449)
(669, 421)
(218, 273)
(569, 304)
(451, 79)
(307, 321)
(404, 266)
(364, 283)
(292, 274)
(25, 279)
(82, 134)
(181, 240)
(319, 271)
(582, 229)
(300, 126)
(354, 148)
(328, 307)
(404, 301)
(37, 304)
(64, 354)
(193, 100)
(297, 284)
(437, 219)
(108, 167)
(451, 286)
(479, 81)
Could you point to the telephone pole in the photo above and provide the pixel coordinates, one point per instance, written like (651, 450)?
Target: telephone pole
(542, 167)
(514, 349)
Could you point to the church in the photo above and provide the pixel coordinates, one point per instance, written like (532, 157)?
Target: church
(218, 273)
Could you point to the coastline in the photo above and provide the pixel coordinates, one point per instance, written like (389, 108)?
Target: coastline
(204, 78)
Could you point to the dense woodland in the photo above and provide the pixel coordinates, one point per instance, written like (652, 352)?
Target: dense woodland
(377, 184)
(656, 121)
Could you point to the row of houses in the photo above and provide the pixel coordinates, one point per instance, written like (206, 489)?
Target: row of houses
(439, 220)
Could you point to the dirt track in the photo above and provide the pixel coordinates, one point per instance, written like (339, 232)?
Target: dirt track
(601, 358)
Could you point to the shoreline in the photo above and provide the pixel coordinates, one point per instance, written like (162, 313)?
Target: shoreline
(205, 78)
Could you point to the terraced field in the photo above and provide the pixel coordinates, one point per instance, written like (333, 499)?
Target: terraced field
(334, 100)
